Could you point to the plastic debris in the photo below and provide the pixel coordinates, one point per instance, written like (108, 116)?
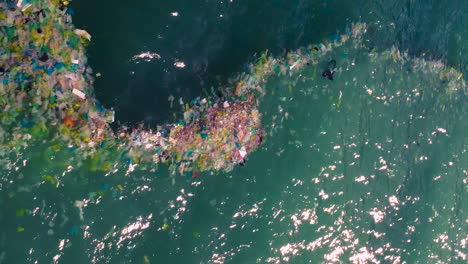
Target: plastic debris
(80, 205)
(46, 95)
(179, 64)
(79, 93)
(331, 69)
(83, 33)
(49, 179)
(242, 152)
(53, 73)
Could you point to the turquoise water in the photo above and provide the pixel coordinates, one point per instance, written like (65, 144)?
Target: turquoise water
(368, 168)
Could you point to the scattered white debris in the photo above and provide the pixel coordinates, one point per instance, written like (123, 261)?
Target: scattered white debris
(377, 215)
(294, 65)
(83, 33)
(360, 178)
(80, 205)
(79, 93)
(393, 200)
(323, 195)
(179, 64)
(242, 152)
(147, 56)
(25, 7)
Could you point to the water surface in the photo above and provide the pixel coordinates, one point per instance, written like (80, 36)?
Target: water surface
(368, 168)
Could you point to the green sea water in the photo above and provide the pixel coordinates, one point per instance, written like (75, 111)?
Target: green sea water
(368, 168)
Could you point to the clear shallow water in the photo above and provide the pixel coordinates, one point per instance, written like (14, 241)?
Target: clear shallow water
(367, 177)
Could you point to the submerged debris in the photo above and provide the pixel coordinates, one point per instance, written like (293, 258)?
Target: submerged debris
(331, 69)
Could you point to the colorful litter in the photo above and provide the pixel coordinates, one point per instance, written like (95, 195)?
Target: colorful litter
(46, 95)
(46, 92)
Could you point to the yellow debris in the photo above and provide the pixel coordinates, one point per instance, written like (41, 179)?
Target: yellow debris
(49, 179)
(106, 166)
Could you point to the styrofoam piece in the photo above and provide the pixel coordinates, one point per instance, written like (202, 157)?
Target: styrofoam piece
(79, 93)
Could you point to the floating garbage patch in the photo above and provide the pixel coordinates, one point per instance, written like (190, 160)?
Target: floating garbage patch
(47, 97)
(46, 92)
(47, 104)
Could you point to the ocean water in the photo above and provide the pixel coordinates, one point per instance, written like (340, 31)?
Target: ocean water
(368, 168)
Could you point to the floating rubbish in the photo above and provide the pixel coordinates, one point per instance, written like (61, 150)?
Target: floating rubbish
(242, 152)
(331, 69)
(49, 179)
(213, 132)
(79, 205)
(83, 33)
(56, 68)
(179, 64)
(79, 93)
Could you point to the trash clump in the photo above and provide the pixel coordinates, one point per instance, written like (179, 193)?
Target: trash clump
(46, 96)
(46, 92)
